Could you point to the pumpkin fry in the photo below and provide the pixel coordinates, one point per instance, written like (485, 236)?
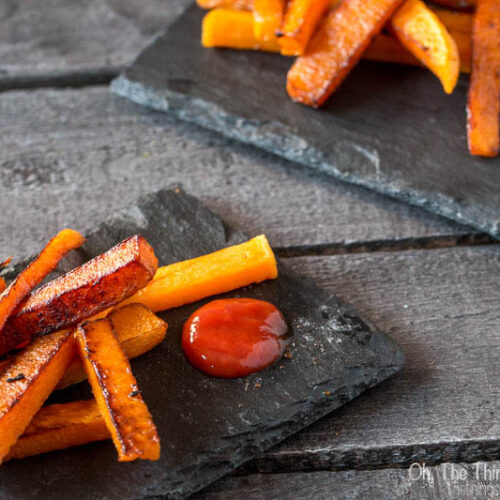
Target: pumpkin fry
(420, 30)
(61, 426)
(117, 395)
(27, 381)
(37, 270)
(138, 331)
(386, 48)
(3, 285)
(300, 20)
(192, 280)
(336, 48)
(483, 105)
(83, 292)
(267, 16)
(231, 28)
(226, 4)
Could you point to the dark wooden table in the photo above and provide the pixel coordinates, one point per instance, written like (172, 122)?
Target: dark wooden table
(71, 153)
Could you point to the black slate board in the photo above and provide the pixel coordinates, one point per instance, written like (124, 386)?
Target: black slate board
(210, 426)
(389, 128)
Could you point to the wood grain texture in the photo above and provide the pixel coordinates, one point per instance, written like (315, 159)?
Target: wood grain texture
(37, 37)
(70, 157)
(373, 484)
(441, 307)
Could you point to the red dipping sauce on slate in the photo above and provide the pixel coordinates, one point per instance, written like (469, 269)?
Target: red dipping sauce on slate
(232, 338)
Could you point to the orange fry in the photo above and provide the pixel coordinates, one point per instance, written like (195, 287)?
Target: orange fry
(421, 31)
(267, 15)
(483, 106)
(27, 380)
(301, 19)
(37, 270)
(226, 4)
(234, 29)
(336, 48)
(115, 390)
(61, 426)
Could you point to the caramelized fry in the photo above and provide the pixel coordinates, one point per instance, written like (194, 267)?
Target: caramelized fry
(27, 381)
(386, 48)
(483, 106)
(231, 28)
(3, 285)
(420, 30)
(138, 331)
(61, 426)
(336, 48)
(267, 16)
(300, 21)
(83, 292)
(115, 390)
(37, 270)
(191, 280)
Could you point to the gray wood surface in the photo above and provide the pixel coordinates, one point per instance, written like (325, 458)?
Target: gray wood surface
(70, 157)
(447, 482)
(441, 307)
(40, 37)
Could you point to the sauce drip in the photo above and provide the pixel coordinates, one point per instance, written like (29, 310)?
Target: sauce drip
(232, 338)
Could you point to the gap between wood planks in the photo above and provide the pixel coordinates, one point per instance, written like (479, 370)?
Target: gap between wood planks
(60, 79)
(426, 243)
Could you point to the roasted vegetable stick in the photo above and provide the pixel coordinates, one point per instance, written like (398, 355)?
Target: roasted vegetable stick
(138, 331)
(3, 285)
(267, 16)
(61, 426)
(386, 48)
(300, 21)
(336, 48)
(191, 280)
(237, 33)
(115, 390)
(421, 31)
(28, 380)
(231, 28)
(226, 4)
(83, 292)
(483, 105)
(37, 270)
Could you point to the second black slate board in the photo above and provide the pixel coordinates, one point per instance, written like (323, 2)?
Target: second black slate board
(210, 426)
(389, 128)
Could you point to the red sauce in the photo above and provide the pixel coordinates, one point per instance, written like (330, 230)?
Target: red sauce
(232, 338)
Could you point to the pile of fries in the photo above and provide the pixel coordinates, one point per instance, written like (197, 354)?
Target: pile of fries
(87, 324)
(330, 36)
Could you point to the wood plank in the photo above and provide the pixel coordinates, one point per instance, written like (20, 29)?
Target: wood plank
(447, 481)
(70, 157)
(38, 37)
(441, 307)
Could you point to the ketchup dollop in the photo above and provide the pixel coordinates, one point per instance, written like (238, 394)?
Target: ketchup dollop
(232, 338)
